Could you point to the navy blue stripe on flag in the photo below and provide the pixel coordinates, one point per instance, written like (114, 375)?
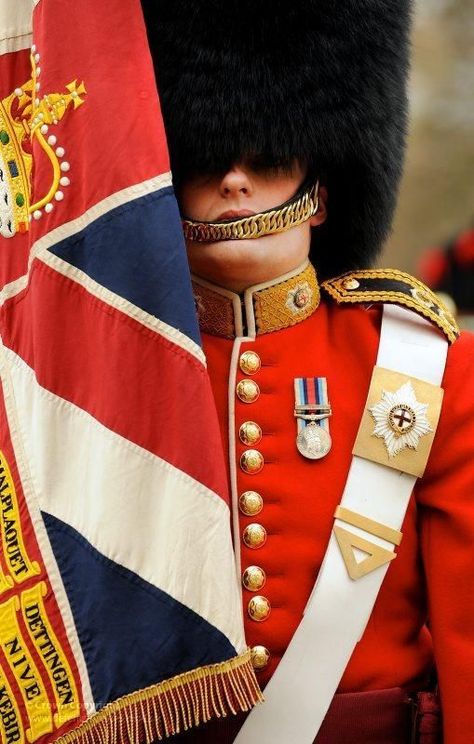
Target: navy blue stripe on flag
(131, 633)
(137, 251)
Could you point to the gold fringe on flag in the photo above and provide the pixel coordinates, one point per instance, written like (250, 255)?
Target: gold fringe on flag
(172, 706)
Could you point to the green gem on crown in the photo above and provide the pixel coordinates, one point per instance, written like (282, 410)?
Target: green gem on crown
(4, 137)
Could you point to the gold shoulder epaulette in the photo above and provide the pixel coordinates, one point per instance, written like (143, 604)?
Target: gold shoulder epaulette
(393, 286)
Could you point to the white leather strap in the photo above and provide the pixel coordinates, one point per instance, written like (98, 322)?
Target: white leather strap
(301, 689)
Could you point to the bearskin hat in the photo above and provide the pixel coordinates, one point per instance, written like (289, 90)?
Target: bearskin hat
(323, 81)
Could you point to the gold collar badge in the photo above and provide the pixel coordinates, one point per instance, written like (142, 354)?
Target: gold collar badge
(24, 115)
(265, 308)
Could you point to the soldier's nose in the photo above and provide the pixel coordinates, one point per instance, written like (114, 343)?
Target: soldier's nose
(234, 182)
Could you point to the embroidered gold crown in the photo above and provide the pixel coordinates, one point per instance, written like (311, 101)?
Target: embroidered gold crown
(23, 117)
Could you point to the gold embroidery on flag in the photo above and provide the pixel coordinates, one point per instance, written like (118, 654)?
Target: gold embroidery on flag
(23, 668)
(26, 114)
(51, 653)
(5, 583)
(14, 551)
(11, 729)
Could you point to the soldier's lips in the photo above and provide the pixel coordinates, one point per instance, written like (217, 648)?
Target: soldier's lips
(234, 214)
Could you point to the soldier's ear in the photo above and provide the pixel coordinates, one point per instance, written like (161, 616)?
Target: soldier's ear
(321, 214)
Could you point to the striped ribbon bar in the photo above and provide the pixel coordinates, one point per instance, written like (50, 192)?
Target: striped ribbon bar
(312, 392)
(312, 410)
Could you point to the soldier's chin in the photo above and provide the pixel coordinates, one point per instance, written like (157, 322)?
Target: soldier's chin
(232, 250)
(212, 251)
(251, 244)
(238, 264)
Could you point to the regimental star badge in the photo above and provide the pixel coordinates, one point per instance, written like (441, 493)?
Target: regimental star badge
(400, 419)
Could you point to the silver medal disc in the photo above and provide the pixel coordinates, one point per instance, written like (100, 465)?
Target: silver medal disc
(313, 441)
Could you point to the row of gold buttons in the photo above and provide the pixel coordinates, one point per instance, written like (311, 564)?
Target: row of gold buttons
(254, 577)
(250, 433)
(251, 503)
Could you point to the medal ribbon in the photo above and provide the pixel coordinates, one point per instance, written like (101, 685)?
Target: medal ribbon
(312, 392)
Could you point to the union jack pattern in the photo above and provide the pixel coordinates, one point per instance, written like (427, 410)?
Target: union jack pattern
(116, 571)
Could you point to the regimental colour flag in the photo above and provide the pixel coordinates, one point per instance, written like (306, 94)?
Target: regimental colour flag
(120, 616)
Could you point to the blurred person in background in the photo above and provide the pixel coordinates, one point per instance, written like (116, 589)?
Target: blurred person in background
(449, 271)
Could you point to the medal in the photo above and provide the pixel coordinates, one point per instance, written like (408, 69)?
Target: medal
(312, 411)
(313, 441)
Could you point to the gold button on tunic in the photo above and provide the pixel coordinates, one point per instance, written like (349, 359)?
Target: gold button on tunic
(250, 503)
(247, 391)
(249, 362)
(259, 608)
(254, 578)
(251, 461)
(254, 536)
(250, 433)
(260, 656)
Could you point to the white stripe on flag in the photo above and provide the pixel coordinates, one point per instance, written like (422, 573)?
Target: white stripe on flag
(67, 229)
(120, 303)
(15, 25)
(135, 508)
(40, 530)
(117, 199)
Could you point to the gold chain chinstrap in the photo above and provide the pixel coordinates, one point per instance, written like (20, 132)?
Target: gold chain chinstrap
(297, 211)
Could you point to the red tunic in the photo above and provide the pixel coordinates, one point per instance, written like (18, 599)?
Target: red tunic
(432, 578)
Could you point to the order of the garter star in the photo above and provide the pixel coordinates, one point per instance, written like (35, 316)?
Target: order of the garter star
(400, 419)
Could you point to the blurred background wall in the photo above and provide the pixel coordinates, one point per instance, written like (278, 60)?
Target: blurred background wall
(437, 191)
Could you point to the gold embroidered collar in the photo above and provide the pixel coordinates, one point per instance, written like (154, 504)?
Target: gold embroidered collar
(261, 309)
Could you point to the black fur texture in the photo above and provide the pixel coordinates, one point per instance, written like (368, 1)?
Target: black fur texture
(323, 81)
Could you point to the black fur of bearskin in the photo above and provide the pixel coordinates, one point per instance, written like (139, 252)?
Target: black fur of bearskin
(323, 81)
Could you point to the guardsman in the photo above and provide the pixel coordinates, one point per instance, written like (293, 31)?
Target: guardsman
(352, 476)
